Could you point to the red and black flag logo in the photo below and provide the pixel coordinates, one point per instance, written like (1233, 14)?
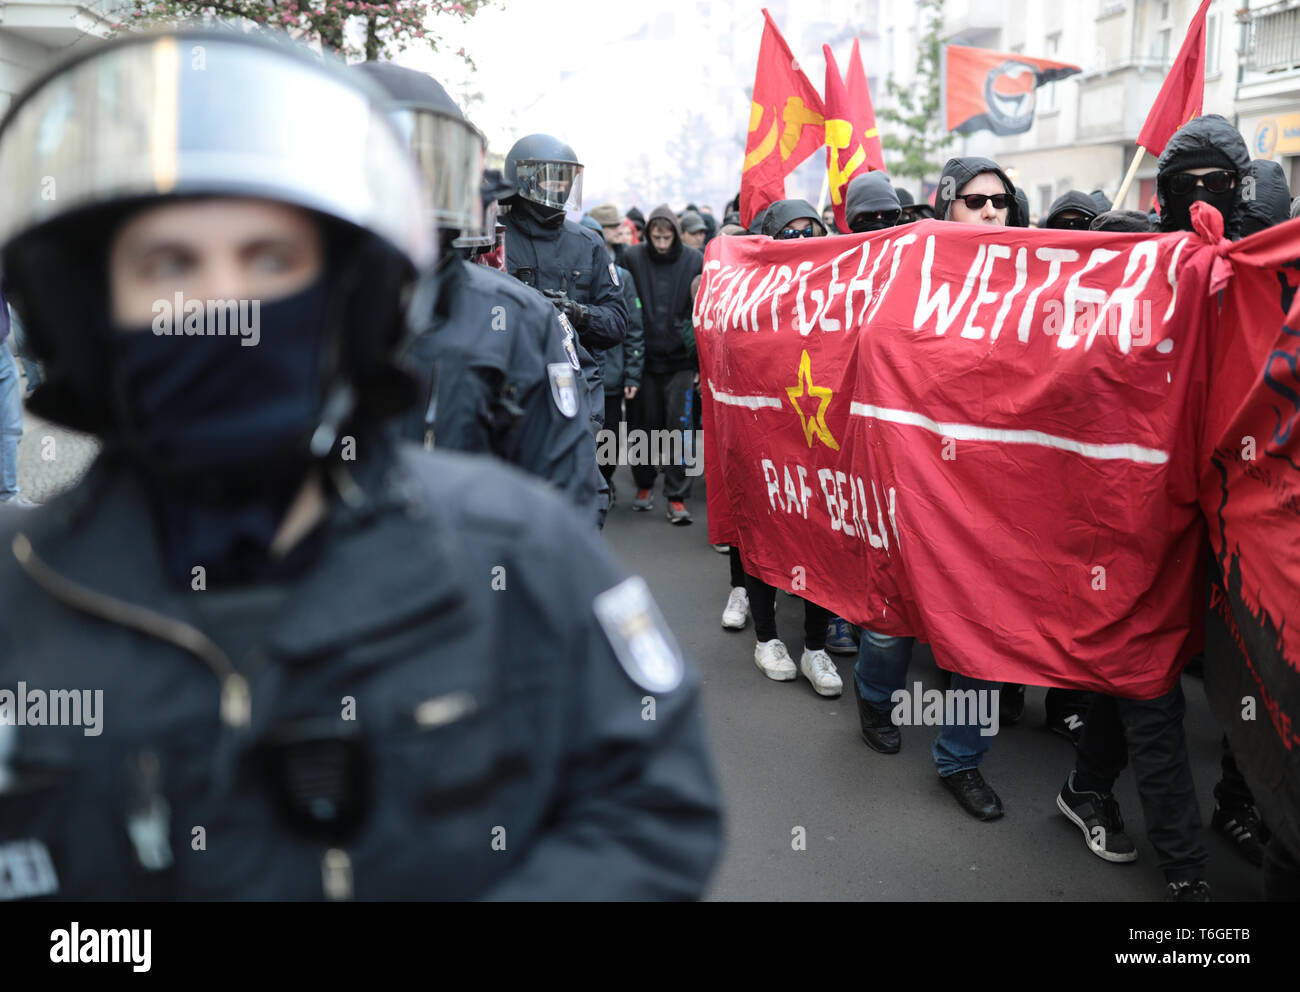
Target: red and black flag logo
(995, 91)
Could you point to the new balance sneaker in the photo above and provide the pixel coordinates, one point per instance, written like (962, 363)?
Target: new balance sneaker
(1098, 817)
(645, 500)
(774, 661)
(1198, 891)
(1240, 826)
(818, 669)
(1068, 724)
(840, 637)
(677, 512)
(733, 617)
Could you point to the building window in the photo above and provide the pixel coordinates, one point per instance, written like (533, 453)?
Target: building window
(1212, 44)
(1049, 91)
(1164, 11)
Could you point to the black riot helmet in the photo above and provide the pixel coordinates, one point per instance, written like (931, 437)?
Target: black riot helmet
(449, 150)
(190, 113)
(546, 171)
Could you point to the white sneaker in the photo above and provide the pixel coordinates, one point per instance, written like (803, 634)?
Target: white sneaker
(733, 617)
(774, 660)
(818, 668)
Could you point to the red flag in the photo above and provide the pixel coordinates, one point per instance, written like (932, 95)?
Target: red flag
(852, 139)
(864, 113)
(786, 124)
(1183, 93)
(995, 91)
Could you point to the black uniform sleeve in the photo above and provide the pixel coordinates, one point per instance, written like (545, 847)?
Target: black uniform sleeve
(637, 812)
(607, 320)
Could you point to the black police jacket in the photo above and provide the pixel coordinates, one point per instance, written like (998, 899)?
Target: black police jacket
(450, 703)
(570, 259)
(501, 375)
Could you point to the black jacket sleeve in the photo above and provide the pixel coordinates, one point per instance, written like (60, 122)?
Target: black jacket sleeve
(607, 322)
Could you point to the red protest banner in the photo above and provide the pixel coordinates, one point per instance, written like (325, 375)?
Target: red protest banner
(981, 436)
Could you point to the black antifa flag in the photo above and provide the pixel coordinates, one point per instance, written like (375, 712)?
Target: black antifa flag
(994, 91)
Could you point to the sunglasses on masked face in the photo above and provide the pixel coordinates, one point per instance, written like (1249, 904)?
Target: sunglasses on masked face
(976, 201)
(789, 233)
(1219, 181)
(1070, 224)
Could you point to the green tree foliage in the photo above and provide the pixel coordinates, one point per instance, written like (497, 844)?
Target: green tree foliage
(913, 133)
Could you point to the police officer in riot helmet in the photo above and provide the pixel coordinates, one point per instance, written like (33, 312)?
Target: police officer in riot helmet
(500, 371)
(332, 665)
(557, 256)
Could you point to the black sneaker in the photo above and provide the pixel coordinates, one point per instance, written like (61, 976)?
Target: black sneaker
(973, 794)
(1068, 724)
(1240, 827)
(878, 729)
(1198, 891)
(1098, 817)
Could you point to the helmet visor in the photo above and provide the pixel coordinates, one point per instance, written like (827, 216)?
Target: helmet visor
(553, 184)
(451, 155)
(198, 113)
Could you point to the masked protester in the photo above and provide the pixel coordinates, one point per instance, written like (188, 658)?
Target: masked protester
(910, 210)
(870, 203)
(1269, 202)
(787, 219)
(1205, 160)
(1072, 211)
(251, 548)
(516, 393)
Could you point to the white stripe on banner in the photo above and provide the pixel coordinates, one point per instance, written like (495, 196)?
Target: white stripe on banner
(969, 432)
(751, 402)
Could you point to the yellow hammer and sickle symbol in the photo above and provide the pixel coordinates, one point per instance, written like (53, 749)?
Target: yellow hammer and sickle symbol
(765, 146)
(839, 135)
(796, 117)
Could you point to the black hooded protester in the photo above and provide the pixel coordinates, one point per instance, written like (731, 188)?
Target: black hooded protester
(911, 211)
(515, 393)
(664, 268)
(785, 219)
(1209, 142)
(1071, 211)
(958, 173)
(871, 204)
(1102, 201)
(1122, 222)
(1269, 202)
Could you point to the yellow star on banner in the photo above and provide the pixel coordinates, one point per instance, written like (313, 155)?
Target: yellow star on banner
(812, 425)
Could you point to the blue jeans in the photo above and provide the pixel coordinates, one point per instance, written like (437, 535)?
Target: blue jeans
(11, 422)
(881, 670)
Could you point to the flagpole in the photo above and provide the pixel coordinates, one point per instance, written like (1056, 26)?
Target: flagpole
(826, 187)
(1128, 180)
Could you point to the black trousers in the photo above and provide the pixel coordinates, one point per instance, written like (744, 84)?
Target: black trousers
(762, 604)
(663, 403)
(737, 568)
(1148, 732)
(613, 416)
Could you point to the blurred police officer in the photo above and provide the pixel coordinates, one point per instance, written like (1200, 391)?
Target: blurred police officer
(329, 665)
(499, 369)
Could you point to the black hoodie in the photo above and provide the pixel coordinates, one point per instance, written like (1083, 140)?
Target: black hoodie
(1207, 141)
(663, 282)
(868, 194)
(1271, 201)
(1073, 200)
(783, 213)
(963, 170)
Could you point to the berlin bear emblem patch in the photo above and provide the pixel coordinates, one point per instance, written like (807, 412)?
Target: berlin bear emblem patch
(564, 388)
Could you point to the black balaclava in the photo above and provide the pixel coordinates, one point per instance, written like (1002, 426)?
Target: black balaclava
(549, 217)
(866, 196)
(1206, 142)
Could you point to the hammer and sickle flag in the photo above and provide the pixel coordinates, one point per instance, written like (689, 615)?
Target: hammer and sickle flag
(786, 124)
(852, 138)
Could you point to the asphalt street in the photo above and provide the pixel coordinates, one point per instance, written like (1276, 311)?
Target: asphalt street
(881, 826)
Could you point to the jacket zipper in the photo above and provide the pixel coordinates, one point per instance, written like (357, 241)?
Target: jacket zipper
(236, 697)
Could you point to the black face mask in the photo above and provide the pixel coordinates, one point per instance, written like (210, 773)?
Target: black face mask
(221, 429)
(1176, 215)
(544, 215)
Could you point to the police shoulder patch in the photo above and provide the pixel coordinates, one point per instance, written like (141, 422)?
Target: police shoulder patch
(564, 388)
(613, 274)
(640, 637)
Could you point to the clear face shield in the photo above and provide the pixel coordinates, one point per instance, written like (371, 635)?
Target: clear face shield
(552, 184)
(194, 113)
(451, 156)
